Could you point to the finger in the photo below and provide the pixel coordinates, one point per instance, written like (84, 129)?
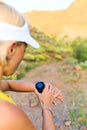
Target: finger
(60, 94)
(60, 98)
(54, 102)
(47, 87)
(57, 93)
(50, 87)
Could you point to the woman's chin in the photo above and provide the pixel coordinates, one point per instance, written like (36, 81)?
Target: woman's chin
(8, 73)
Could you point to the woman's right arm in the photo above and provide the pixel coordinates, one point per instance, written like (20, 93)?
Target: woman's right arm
(46, 98)
(48, 122)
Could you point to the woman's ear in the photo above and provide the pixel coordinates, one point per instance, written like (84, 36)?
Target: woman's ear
(11, 50)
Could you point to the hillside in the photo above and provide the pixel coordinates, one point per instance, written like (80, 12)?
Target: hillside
(71, 22)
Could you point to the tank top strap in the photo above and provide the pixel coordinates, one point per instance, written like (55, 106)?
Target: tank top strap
(6, 97)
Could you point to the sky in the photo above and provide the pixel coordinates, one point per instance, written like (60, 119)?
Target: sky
(29, 5)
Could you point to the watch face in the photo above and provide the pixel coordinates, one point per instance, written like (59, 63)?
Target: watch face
(40, 86)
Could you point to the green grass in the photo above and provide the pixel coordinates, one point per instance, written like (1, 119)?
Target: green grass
(77, 111)
(78, 114)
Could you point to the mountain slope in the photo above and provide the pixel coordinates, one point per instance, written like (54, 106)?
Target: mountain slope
(71, 22)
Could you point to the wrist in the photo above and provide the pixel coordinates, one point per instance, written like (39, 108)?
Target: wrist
(46, 109)
(33, 88)
(45, 105)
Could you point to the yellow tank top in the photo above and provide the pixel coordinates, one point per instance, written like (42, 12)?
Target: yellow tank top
(6, 97)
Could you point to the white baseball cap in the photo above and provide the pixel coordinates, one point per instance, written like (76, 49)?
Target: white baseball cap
(13, 32)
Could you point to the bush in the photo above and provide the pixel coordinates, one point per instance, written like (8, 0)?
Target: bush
(40, 57)
(83, 65)
(58, 57)
(80, 49)
(70, 60)
(29, 57)
(13, 77)
(80, 52)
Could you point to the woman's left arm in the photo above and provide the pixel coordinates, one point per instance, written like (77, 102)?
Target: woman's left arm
(17, 85)
(23, 86)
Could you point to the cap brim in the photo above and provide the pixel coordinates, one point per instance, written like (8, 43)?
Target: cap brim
(32, 42)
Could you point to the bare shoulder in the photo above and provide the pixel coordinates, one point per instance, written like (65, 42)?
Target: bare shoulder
(11, 117)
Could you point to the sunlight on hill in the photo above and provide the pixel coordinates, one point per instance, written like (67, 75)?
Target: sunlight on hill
(71, 22)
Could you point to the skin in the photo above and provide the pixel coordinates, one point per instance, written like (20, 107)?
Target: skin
(15, 55)
(15, 118)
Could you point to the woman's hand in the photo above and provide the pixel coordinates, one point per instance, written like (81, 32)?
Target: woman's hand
(48, 95)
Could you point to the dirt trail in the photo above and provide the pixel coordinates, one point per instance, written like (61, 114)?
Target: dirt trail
(66, 78)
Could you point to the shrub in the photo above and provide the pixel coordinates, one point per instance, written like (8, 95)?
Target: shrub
(83, 65)
(29, 57)
(40, 57)
(70, 60)
(80, 52)
(13, 77)
(58, 57)
(79, 46)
